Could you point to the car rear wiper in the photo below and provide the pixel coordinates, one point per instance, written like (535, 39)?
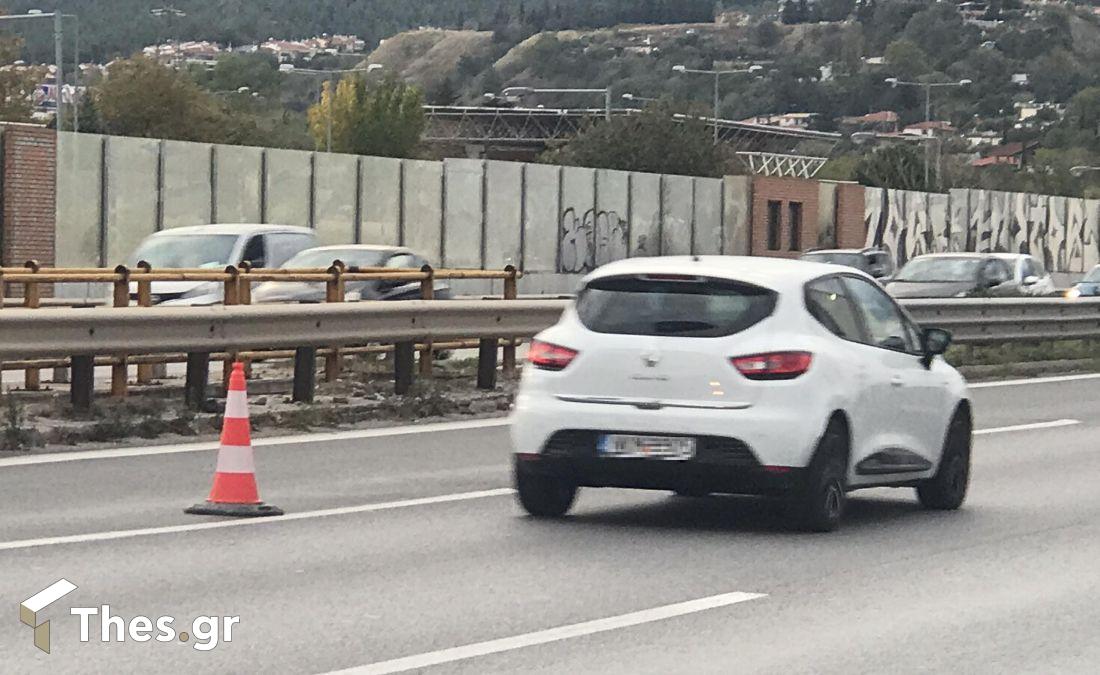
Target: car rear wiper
(682, 326)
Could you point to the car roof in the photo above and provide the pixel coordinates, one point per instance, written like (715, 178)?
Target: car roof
(1011, 257)
(857, 251)
(359, 247)
(951, 255)
(237, 229)
(781, 274)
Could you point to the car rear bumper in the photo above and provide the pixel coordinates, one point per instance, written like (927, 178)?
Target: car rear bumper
(691, 476)
(776, 432)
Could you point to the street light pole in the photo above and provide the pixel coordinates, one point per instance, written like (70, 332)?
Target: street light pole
(60, 66)
(717, 86)
(871, 138)
(928, 86)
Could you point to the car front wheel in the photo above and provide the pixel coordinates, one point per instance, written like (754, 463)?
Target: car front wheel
(946, 490)
(544, 496)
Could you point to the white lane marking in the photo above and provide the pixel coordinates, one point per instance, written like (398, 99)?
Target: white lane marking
(218, 524)
(541, 637)
(1034, 380)
(1054, 424)
(330, 436)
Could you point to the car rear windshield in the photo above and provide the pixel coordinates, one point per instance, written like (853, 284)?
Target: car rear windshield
(665, 305)
(932, 269)
(856, 260)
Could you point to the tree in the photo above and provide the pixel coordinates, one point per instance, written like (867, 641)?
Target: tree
(259, 72)
(385, 121)
(16, 86)
(940, 33)
(766, 34)
(907, 60)
(836, 10)
(899, 167)
(653, 141)
(140, 97)
(1083, 110)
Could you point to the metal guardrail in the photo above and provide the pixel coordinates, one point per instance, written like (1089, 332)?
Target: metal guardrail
(136, 284)
(83, 334)
(140, 330)
(999, 320)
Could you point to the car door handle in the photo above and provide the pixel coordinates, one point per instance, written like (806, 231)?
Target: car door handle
(897, 381)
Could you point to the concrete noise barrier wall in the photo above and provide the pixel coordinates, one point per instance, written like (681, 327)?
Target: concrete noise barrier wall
(554, 223)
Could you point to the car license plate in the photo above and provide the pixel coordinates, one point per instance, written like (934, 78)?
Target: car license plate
(646, 447)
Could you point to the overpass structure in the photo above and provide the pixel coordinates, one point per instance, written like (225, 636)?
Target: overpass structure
(765, 150)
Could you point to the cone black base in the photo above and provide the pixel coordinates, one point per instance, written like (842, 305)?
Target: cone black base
(235, 510)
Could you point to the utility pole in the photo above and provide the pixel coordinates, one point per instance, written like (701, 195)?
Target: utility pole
(717, 74)
(59, 64)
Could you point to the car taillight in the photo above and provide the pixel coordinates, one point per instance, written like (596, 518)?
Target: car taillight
(773, 366)
(546, 356)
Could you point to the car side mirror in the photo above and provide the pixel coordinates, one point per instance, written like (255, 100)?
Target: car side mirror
(934, 342)
(1031, 280)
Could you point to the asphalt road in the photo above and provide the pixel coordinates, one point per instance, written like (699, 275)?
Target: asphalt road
(405, 550)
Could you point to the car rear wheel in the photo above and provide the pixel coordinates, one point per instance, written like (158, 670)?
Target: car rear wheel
(544, 496)
(819, 504)
(946, 490)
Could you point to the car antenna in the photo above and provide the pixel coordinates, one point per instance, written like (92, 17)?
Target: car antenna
(695, 258)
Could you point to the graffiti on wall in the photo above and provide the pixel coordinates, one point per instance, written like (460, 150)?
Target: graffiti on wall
(591, 239)
(1062, 232)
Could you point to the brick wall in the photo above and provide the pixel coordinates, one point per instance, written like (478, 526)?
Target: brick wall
(850, 230)
(27, 195)
(785, 191)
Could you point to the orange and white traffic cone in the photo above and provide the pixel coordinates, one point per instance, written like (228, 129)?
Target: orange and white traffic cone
(234, 492)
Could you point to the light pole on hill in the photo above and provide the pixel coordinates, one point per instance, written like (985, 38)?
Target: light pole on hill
(717, 74)
(58, 58)
(928, 87)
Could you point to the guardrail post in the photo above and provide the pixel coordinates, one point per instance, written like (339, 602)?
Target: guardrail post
(121, 299)
(427, 292)
(305, 374)
(334, 292)
(244, 297)
(145, 299)
(198, 376)
(82, 388)
(510, 293)
(31, 300)
(2, 294)
(231, 296)
(403, 367)
(487, 363)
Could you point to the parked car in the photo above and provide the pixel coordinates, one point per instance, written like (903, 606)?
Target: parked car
(874, 261)
(739, 375)
(353, 256)
(960, 275)
(1088, 286)
(214, 247)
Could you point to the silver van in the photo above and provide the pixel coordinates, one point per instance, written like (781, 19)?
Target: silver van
(214, 247)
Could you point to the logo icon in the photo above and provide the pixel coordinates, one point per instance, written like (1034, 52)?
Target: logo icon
(30, 608)
(651, 359)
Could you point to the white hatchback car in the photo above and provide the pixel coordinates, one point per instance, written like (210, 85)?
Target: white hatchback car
(739, 375)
